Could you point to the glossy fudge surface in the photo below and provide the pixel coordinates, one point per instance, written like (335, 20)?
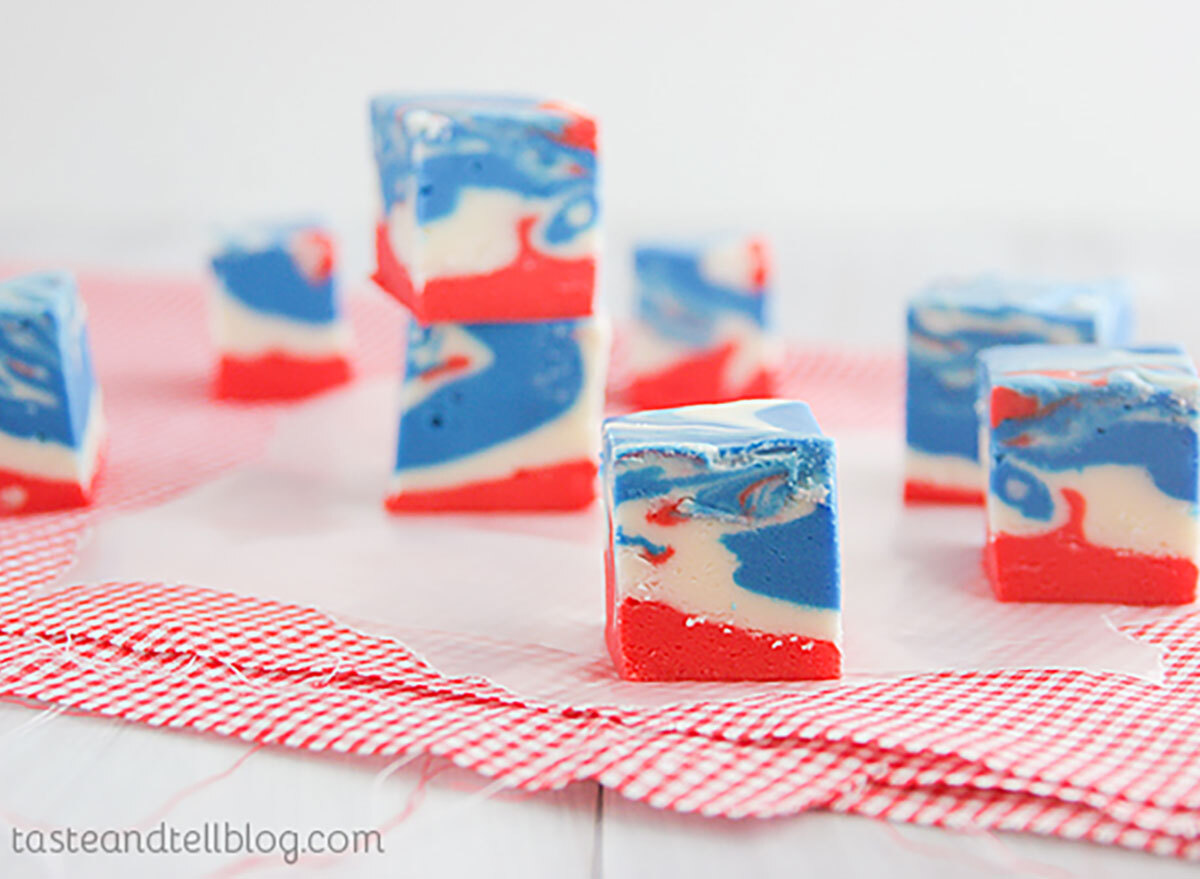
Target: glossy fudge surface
(489, 207)
(500, 416)
(51, 426)
(277, 318)
(702, 330)
(723, 556)
(948, 325)
(1092, 473)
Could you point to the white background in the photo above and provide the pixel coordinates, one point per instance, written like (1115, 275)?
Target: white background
(879, 143)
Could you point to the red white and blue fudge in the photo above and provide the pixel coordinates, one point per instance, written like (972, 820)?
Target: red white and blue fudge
(500, 416)
(51, 422)
(1091, 457)
(948, 325)
(702, 330)
(490, 207)
(276, 315)
(722, 559)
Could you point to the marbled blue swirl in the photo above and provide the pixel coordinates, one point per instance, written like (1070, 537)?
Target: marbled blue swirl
(731, 468)
(534, 375)
(1096, 405)
(46, 376)
(940, 400)
(760, 489)
(621, 538)
(261, 273)
(429, 149)
(676, 300)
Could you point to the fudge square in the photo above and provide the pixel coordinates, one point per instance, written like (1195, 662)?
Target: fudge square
(1091, 469)
(489, 207)
(51, 421)
(948, 325)
(501, 416)
(702, 331)
(722, 559)
(277, 320)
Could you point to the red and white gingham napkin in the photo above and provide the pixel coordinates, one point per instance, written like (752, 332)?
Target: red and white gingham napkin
(1100, 757)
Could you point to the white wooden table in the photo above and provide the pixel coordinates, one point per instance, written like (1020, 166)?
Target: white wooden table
(58, 771)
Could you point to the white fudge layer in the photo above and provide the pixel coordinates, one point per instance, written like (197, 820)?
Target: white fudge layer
(734, 264)
(243, 332)
(55, 462)
(1124, 510)
(481, 235)
(946, 471)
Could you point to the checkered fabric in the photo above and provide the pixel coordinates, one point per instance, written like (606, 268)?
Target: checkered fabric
(1098, 757)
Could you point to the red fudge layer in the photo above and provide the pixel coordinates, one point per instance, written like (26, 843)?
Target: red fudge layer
(277, 376)
(916, 492)
(1062, 565)
(698, 379)
(652, 641)
(570, 486)
(534, 286)
(22, 493)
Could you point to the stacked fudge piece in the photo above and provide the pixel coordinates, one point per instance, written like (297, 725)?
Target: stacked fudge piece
(949, 324)
(488, 237)
(702, 328)
(51, 422)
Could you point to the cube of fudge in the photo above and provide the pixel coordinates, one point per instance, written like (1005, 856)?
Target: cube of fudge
(51, 422)
(948, 325)
(277, 319)
(500, 416)
(722, 559)
(701, 332)
(1091, 457)
(489, 207)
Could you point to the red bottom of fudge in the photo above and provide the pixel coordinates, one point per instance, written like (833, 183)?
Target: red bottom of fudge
(1062, 566)
(652, 641)
(570, 486)
(22, 493)
(277, 376)
(534, 286)
(916, 492)
(699, 379)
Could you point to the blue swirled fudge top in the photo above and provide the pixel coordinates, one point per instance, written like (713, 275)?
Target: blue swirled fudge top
(1056, 368)
(46, 376)
(280, 269)
(1103, 304)
(1075, 406)
(743, 436)
(712, 429)
(538, 148)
